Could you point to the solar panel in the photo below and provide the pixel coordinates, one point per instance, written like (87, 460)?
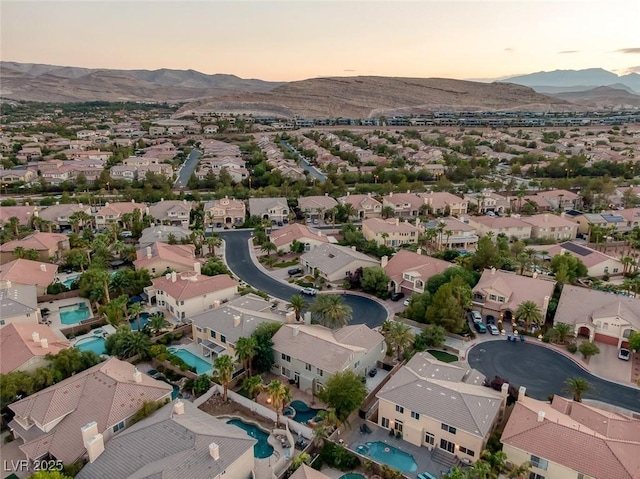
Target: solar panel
(574, 248)
(612, 218)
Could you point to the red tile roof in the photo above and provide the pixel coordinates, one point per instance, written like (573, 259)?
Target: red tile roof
(18, 346)
(190, 285)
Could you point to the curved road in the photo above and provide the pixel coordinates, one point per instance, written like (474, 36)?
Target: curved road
(543, 372)
(188, 167)
(365, 310)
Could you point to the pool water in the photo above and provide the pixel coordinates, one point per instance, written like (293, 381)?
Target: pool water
(202, 366)
(389, 455)
(352, 475)
(74, 313)
(68, 282)
(304, 413)
(91, 344)
(144, 319)
(262, 449)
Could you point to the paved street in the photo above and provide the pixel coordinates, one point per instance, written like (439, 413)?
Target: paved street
(365, 310)
(187, 168)
(304, 164)
(543, 372)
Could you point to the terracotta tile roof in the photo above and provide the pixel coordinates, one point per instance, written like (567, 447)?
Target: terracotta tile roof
(440, 199)
(37, 241)
(498, 222)
(190, 285)
(589, 256)
(360, 201)
(179, 254)
(400, 199)
(405, 261)
(294, 231)
(23, 213)
(316, 202)
(18, 346)
(25, 271)
(515, 288)
(378, 225)
(120, 208)
(106, 393)
(53, 212)
(565, 194)
(548, 220)
(582, 438)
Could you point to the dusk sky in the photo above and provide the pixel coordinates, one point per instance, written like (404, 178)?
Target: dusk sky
(294, 40)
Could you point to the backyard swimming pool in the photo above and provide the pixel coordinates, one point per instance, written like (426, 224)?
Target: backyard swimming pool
(74, 313)
(353, 475)
(68, 282)
(202, 366)
(389, 455)
(91, 344)
(303, 412)
(144, 319)
(262, 448)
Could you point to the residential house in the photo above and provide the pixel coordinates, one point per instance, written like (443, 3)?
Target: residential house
(186, 294)
(160, 258)
(403, 204)
(443, 406)
(487, 201)
(163, 234)
(225, 212)
(284, 237)
(600, 316)
(24, 214)
(27, 272)
(598, 264)
(75, 417)
(607, 223)
(112, 212)
(334, 263)
(551, 227)
(175, 439)
(309, 354)
(512, 227)
(409, 271)
(391, 232)
(595, 443)
(365, 206)
(18, 304)
(171, 212)
(455, 233)
(307, 472)
(561, 199)
(499, 293)
(273, 209)
(18, 176)
(59, 214)
(445, 203)
(50, 246)
(24, 346)
(316, 206)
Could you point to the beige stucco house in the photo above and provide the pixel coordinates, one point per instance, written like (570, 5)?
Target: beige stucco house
(511, 226)
(391, 232)
(409, 271)
(551, 227)
(365, 206)
(158, 258)
(225, 212)
(335, 262)
(445, 203)
(598, 263)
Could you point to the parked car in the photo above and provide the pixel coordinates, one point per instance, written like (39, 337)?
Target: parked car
(407, 302)
(480, 327)
(493, 329)
(476, 316)
(126, 234)
(624, 354)
(373, 372)
(309, 291)
(397, 296)
(491, 319)
(294, 271)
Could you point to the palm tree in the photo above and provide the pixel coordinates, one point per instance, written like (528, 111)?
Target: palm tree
(331, 213)
(246, 349)
(135, 344)
(134, 310)
(481, 470)
(297, 303)
(529, 312)
(115, 230)
(268, 247)
(279, 395)
(253, 385)
(14, 225)
(19, 252)
(627, 262)
(157, 323)
(330, 311)
(212, 243)
(387, 212)
(448, 234)
(398, 336)
(577, 386)
(497, 461)
(320, 435)
(384, 236)
(561, 332)
(349, 211)
(224, 367)
(519, 472)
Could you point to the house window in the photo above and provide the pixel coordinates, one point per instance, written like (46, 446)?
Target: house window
(469, 452)
(356, 364)
(181, 303)
(415, 415)
(501, 299)
(533, 475)
(615, 270)
(385, 422)
(399, 409)
(539, 463)
(319, 372)
(492, 297)
(212, 334)
(605, 326)
(307, 367)
(2, 323)
(118, 426)
(429, 438)
(199, 329)
(153, 270)
(446, 427)
(397, 425)
(286, 357)
(223, 338)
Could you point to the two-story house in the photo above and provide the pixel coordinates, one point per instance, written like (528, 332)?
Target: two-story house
(487, 201)
(171, 212)
(316, 206)
(453, 233)
(561, 199)
(19, 304)
(391, 232)
(225, 212)
(112, 212)
(60, 214)
(409, 271)
(309, 354)
(158, 258)
(24, 214)
(551, 227)
(29, 273)
(365, 206)
(443, 406)
(284, 237)
(50, 247)
(511, 226)
(403, 204)
(272, 209)
(334, 262)
(598, 263)
(445, 203)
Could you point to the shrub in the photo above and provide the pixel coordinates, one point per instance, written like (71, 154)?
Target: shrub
(177, 336)
(338, 457)
(158, 350)
(572, 347)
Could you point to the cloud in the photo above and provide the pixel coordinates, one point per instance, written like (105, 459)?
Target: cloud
(631, 51)
(347, 70)
(633, 69)
(509, 50)
(568, 52)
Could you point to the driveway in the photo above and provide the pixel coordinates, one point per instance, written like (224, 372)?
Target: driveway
(543, 372)
(365, 310)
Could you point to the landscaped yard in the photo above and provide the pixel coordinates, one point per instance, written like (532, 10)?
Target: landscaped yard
(443, 356)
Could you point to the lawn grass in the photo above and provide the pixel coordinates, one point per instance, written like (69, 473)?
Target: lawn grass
(286, 264)
(443, 356)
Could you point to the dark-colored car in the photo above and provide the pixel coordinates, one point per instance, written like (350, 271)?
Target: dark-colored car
(480, 327)
(373, 372)
(491, 319)
(294, 271)
(397, 296)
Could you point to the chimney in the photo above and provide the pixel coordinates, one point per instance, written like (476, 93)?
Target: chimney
(35, 336)
(521, 393)
(408, 191)
(391, 194)
(368, 194)
(178, 408)
(216, 304)
(43, 267)
(133, 201)
(397, 221)
(290, 317)
(167, 276)
(237, 319)
(545, 303)
(44, 343)
(419, 251)
(563, 215)
(88, 431)
(137, 375)
(353, 248)
(546, 217)
(384, 261)
(504, 390)
(534, 275)
(197, 267)
(106, 203)
(94, 446)
(296, 330)
(214, 451)
(541, 416)
(149, 252)
(57, 203)
(174, 276)
(493, 271)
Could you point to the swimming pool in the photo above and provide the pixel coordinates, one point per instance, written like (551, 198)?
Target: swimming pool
(262, 448)
(91, 344)
(303, 412)
(202, 366)
(68, 282)
(352, 475)
(144, 319)
(74, 313)
(389, 455)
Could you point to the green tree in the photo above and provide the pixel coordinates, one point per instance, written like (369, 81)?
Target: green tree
(417, 309)
(449, 305)
(157, 323)
(116, 311)
(94, 285)
(49, 475)
(634, 341)
(224, 367)
(529, 313)
(213, 242)
(561, 332)
(330, 311)
(375, 281)
(264, 360)
(588, 349)
(299, 460)
(246, 349)
(77, 259)
(398, 337)
(519, 471)
(279, 395)
(344, 392)
(487, 254)
(253, 385)
(134, 311)
(72, 360)
(577, 386)
(568, 268)
(268, 247)
(297, 303)
(431, 336)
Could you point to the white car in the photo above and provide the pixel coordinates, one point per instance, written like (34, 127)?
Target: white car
(309, 291)
(477, 317)
(493, 329)
(624, 354)
(407, 302)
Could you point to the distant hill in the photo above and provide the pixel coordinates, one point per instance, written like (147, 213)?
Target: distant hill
(603, 96)
(575, 80)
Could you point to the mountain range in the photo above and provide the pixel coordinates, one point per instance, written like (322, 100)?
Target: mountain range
(559, 81)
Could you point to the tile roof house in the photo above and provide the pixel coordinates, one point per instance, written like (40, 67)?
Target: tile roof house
(48, 245)
(171, 212)
(27, 272)
(18, 304)
(23, 213)
(434, 404)
(445, 203)
(486, 201)
(551, 227)
(391, 232)
(334, 262)
(175, 442)
(598, 263)
(510, 226)
(561, 199)
(456, 233)
(24, 346)
(158, 257)
(316, 206)
(186, 294)
(285, 236)
(572, 439)
(59, 214)
(225, 212)
(63, 420)
(162, 233)
(112, 212)
(499, 293)
(273, 209)
(306, 472)
(309, 353)
(604, 317)
(365, 206)
(409, 271)
(403, 204)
